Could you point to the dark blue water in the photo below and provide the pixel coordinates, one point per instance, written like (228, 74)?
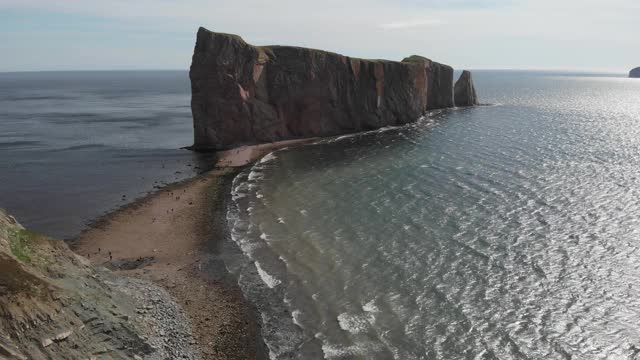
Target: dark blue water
(73, 143)
(501, 232)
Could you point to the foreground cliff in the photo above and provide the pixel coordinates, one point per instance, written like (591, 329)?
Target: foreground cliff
(54, 305)
(244, 94)
(635, 73)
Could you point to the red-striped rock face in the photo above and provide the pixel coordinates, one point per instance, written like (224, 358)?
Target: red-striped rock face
(243, 94)
(355, 67)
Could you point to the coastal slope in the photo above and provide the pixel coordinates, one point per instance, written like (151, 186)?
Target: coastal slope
(634, 73)
(151, 283)
(244, 94)
(54, 305)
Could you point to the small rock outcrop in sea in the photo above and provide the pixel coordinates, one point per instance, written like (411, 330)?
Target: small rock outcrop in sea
(635, 73)
(244, 94)
(464, 91)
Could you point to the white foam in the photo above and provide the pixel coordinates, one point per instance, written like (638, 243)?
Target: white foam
(370, 307)
(268, 279)
(352, 323)
(238, 189)
(247, 247)
(281, 220)
(242, 186)
(270, 156)
(344, 137)
(303, 212)
(254, 175)
(283, 260)
(272, 354)
(355, 350)
(386, 128)
(295, 315)
(348, 136)
(264, 236)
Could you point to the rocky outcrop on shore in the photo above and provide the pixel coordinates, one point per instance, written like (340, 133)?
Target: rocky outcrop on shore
(465, 91)
(54, 305)
(634, 73)
(244, 94)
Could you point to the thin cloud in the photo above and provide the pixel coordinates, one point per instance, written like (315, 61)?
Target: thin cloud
(496, 33)
(412, 24)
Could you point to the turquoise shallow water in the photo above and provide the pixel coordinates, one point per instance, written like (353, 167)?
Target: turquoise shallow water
(499, 232)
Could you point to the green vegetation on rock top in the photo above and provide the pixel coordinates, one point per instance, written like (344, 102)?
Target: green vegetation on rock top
(415, 59)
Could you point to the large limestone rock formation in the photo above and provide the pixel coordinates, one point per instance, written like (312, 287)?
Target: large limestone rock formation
(635, 73)
(465, 91)
(439, 82)
(244, 94)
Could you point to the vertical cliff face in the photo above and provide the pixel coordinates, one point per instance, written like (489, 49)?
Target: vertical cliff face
(243, 94)
(465, 91)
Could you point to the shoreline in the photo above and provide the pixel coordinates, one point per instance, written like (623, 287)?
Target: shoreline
(179, 251)
(174, 237)
(245, 155)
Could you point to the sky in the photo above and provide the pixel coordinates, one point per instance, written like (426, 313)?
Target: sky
(39, 35)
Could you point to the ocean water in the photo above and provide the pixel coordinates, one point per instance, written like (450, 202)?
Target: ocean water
(509, 231)
(73, 143)
(500, 232)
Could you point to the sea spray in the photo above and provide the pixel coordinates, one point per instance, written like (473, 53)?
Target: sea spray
(261, 274)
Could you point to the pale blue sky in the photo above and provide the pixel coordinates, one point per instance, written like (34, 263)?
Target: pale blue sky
(475, 34)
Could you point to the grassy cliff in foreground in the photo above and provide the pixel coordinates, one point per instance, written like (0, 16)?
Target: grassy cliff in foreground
(54, 305)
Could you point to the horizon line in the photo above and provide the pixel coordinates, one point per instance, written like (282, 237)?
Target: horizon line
(579, 70)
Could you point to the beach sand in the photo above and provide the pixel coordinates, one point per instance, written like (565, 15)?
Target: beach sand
(244, 155)
(174, 238)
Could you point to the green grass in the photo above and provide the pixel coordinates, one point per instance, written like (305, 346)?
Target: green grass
(414, 59)
(19, 243)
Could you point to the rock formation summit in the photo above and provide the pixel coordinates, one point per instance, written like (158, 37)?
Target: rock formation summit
(244, 94)
(635, 73)
(464, 90)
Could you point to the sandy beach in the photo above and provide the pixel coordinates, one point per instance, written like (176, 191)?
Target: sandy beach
(173, 237)
(245, 155)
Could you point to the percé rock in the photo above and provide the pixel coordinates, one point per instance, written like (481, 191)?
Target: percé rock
(635, 73)
(464, 91)
(244, 94)
(439, 86)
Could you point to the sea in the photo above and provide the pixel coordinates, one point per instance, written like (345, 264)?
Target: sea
(76, 145)
(504, 231)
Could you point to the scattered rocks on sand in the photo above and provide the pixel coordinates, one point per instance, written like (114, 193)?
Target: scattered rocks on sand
(130, 264)
(170, 328)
